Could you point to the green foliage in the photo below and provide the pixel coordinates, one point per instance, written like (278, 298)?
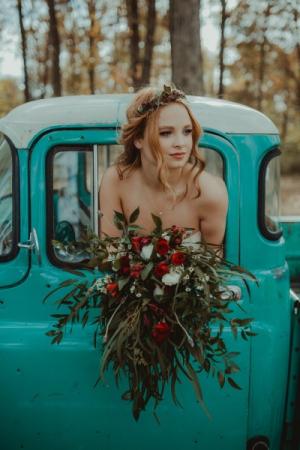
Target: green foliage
(163, 308)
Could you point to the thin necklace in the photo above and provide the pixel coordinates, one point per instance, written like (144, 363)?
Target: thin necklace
(163, 211)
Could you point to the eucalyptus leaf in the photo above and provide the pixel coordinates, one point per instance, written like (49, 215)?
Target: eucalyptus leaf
(158, 223)
(146, 271)
(134, 215)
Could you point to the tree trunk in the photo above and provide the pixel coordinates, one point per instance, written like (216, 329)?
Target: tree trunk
(92, 45)
(45, 77)
(262, 59)
(55, 49)
(149, 42)
(186, 54)
(132, 18)
(297, 78)
(224, 16)
(27, 95)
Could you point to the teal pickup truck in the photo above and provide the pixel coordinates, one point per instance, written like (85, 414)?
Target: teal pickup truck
(52, 156)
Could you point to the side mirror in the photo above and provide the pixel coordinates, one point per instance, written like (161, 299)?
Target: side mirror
(64, 232)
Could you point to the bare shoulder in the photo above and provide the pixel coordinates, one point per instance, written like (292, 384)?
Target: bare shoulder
(213, 190)
(111, 176)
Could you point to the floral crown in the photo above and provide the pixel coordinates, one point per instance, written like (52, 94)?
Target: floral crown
(168, 94)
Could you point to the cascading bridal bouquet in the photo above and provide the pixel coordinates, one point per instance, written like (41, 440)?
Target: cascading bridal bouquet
(163, 303)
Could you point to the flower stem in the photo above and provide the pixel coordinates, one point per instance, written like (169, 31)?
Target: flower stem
(189, 338)
(110, 320)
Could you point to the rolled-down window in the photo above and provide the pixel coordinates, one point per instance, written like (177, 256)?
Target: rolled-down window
(74, 176)
(269, 196)
(7, 213)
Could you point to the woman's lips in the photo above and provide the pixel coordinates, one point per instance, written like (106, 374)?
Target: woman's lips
(178, 155)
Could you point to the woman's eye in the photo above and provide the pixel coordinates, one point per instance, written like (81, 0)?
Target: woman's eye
(188, 131)
(165, 133)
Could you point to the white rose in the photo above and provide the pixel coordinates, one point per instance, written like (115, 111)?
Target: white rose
(171, 278)
(147, 251)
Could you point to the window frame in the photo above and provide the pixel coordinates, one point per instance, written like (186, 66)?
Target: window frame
(49, 200)
(15, 203)
(261, 204)
(50, 192)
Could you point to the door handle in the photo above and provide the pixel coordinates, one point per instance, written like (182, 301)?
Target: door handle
(33, 245)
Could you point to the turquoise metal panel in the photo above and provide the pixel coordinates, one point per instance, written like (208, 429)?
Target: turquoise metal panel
(252, 149)
(50, 399)
(291, 233)
(270, 352)
(290, 423)
(231, 174)
(52, 386)
(15, 270)
(49, 396)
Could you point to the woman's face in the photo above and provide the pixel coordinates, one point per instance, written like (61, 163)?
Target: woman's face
(175, 137)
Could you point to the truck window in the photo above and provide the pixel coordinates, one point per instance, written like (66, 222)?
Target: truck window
(71, 198)
(6, 199)
(71, 193)
(269, 195)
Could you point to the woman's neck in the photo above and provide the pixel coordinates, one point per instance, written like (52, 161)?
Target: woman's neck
(149, 176)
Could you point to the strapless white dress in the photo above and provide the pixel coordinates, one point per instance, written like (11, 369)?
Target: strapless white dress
(192, 240)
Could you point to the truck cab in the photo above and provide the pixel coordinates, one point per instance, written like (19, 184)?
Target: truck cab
(53, 154)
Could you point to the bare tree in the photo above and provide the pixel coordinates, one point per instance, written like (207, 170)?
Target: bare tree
(92, 45)
(262, 56)
(140, 65)
(186, 52)
(149, 42)
(27, 95)
(224, 17)
(55, 49)
(297, 50)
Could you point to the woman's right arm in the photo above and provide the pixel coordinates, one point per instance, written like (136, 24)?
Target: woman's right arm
(109, 199)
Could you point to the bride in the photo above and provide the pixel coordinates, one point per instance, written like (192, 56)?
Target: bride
(161, 171)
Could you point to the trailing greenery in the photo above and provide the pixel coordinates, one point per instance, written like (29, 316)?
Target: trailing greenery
(163, 303)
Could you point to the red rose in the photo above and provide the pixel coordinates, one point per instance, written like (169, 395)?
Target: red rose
(124, 262)
(177, 240)
(136, 269)
(145, 241)
(174, 229)
(125, 270)
(162, 246)
(161, 332)
(177, 230)
(161, 269)
(156, 309)
(112, 289)
(136, 243)
(178, 258)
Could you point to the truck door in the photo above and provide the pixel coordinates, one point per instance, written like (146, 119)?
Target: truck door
(14, 261)
(52, 398)
(290, 223)
(291, 232)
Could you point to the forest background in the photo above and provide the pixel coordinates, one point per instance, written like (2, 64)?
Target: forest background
(102, 46)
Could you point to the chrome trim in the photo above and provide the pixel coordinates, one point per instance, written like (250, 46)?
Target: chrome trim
(95, 189)
(33, 245)
(231, 292)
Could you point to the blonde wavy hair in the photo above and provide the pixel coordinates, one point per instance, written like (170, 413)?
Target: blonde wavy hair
(138, 118)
